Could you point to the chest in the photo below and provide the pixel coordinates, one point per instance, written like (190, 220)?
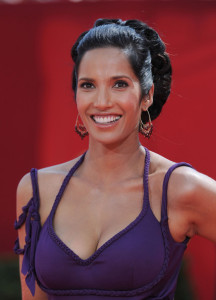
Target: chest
(130, 259)
(88, 216)
(85, 249)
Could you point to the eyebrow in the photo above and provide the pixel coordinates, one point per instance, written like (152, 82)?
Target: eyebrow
(114, 77)
(85, 78)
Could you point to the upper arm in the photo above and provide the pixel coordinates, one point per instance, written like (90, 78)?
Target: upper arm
(193, 203)
(24, 194)
(202, 200)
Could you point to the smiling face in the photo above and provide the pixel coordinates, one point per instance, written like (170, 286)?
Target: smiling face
(108, 96)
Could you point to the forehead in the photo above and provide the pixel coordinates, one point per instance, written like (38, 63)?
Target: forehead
(105, 61)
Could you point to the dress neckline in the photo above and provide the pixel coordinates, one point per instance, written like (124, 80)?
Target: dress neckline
(68, 250)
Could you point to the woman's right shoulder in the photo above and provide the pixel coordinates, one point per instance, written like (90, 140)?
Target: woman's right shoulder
(49, 182)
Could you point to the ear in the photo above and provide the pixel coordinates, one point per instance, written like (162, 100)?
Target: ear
(148, 99)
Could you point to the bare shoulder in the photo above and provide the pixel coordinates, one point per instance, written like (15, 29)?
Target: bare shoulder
(159, 163)
(55, 173)
(24, 192)
(183, 181)
(49, 182)
(184, 177)
(188, 183)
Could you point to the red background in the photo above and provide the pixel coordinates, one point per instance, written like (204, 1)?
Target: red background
(38, 111)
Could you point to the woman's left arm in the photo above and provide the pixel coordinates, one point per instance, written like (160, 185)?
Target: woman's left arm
(203, 203)
(198, 202)
(192, 204)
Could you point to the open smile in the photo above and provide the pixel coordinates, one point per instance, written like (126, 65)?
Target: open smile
(105, 120)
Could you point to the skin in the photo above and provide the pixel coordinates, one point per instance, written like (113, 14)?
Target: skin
(112, 196)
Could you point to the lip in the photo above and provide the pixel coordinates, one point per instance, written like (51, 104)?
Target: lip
(105, 114)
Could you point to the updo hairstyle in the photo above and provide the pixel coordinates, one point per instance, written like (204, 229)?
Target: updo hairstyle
(145, 51)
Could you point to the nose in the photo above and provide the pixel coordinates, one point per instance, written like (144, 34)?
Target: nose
(102, 99)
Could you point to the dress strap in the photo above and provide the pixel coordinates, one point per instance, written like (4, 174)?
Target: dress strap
(146, 177)
(34, 180)
(31, 217)
(64, 185)
(165, 188)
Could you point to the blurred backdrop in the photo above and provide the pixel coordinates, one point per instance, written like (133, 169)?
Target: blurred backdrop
(38, 111)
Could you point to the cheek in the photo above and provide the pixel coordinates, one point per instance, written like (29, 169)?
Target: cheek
(131, 103)
(81, 102)
(79, 106)
(78, 103)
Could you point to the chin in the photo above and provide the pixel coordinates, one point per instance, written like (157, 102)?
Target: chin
(108, 139)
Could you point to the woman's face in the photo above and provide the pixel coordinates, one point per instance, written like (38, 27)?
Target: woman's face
(108, 95)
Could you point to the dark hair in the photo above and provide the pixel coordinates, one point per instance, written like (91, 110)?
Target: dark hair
(145, 51)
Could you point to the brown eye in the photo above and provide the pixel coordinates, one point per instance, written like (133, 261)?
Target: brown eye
(87, 85)
(121, 84)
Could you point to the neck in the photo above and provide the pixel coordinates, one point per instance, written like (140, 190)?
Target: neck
(114, 163)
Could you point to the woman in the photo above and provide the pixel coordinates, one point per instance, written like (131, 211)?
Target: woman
(116, 227)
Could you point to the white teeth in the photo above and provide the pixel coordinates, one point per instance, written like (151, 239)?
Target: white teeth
(105, 119)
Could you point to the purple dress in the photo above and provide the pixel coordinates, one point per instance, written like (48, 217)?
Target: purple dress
(142, 261)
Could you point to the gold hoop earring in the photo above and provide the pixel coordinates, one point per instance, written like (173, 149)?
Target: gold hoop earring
(146, 129)
(80, 128)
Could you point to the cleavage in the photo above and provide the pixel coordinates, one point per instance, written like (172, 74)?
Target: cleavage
(87, 218)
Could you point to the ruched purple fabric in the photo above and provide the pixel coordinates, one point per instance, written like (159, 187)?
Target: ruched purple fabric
(142, 261)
